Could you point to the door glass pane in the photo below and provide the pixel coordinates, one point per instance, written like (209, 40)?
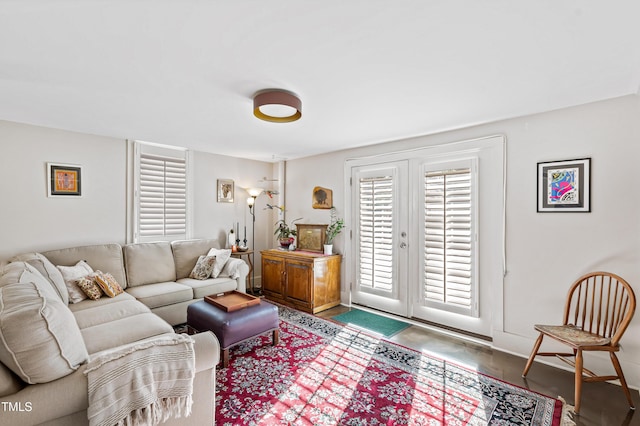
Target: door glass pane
(376, 233)
(448, 238)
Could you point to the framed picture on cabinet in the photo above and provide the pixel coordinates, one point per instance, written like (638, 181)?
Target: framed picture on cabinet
(311, 237)
(564, 186)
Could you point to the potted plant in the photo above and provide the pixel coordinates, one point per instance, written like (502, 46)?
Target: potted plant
(333, 230)
(285, 233)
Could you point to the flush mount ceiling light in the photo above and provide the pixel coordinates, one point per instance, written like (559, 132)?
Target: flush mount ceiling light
(277, 106)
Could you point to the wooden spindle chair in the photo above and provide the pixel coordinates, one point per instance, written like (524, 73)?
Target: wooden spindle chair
(597, 312)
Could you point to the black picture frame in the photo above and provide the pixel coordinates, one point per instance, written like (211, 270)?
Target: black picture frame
(64, 180)
(564, 186)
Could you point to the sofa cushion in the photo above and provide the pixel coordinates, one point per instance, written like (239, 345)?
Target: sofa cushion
(222, 256)
(122, 331)
(90, 313)
(202, 288)
(71, 275)
(186, 253)
(105, 257)
(48, 271)
(39, 338)
(161, 294)
(148, 263)
(113, 321)
(121, 306)
(91, 304)
(22, 272)
(11, 272)
(9, 382)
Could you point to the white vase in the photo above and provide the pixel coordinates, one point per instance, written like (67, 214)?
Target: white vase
(328, 249)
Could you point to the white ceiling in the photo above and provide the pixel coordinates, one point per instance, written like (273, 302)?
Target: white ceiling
(367, 71)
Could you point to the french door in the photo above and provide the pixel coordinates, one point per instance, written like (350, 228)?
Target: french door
(380, 196)
(416, 221)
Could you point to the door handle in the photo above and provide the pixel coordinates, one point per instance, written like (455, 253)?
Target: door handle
(403, 245)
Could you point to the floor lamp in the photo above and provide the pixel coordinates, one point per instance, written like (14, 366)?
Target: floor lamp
(251, 202)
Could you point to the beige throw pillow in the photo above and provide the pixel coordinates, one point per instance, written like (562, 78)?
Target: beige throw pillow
(90, 287)
(108, 284)
(40, 340)
(48, 271)
(71, 275)
(222, 255)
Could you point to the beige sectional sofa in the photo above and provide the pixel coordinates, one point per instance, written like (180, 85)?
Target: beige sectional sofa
(157, 291)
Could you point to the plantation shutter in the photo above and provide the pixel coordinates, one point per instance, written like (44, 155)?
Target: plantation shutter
(376, 233)
(449, 243)
(162, 195)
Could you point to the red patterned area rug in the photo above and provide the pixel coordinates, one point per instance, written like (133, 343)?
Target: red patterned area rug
(323, 373)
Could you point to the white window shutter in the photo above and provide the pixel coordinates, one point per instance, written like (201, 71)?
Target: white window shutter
(449, 244)
(162, 195)
(376, 233)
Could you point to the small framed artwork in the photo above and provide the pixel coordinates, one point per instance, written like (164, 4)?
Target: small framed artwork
(64, 180)
(225, 190)
(564, 186)
(322, 198)
(311, 237)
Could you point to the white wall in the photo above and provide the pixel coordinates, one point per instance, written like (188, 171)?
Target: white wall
(545, 251)
(32, 221)
(213, 219)
(29, 220)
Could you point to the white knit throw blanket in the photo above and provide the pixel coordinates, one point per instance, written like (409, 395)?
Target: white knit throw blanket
(142, 383)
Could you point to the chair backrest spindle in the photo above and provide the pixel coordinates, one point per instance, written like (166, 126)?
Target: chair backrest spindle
(599, 321)
(606, 324)
(593, 304)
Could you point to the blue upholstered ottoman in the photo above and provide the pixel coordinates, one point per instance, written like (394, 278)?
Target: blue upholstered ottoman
(232, 328)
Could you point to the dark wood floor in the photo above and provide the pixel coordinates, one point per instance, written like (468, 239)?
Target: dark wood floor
(602, 403)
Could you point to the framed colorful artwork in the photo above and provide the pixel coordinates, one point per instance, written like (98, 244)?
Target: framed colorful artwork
(225, 190)
(64, 180)
(564, 186)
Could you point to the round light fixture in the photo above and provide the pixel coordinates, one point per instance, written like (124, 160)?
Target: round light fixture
(277, 106)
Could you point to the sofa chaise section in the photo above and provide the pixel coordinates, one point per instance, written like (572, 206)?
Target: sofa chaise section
(64, 402)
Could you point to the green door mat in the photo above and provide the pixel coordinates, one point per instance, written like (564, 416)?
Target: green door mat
(379, 324)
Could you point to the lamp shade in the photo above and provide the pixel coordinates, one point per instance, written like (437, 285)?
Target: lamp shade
(278, 106)
(254, 192)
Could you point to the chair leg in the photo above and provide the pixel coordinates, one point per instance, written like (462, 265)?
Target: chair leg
(534, 352)
(623, 382)
(578, 379)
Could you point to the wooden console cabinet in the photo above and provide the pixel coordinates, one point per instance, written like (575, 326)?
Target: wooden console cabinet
(303, 280)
